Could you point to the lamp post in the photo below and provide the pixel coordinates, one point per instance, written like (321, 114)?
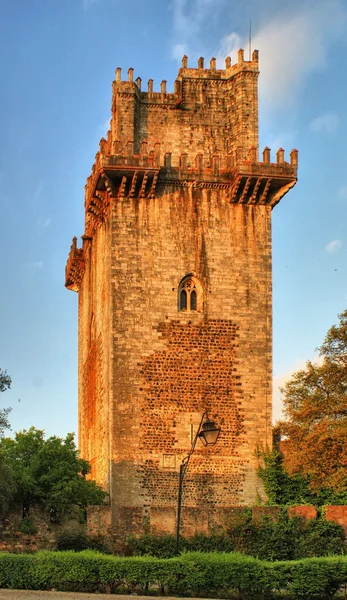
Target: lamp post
(208, 433)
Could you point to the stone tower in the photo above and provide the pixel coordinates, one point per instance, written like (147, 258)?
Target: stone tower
(174, 285)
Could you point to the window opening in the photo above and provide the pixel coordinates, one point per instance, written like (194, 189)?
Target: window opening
(193, 302)
(190, 294)
(183, 300)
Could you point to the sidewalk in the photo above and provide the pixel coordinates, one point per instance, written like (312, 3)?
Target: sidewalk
(35, 595)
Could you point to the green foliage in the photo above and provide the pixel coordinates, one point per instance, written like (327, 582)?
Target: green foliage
(161, 546)
(76, 538)
(284, 489)
(164, 546)
(7, 486)
(5, 384)
(227, 575)
(320, 538)
(27, 526)
(280, 488)
(282, 539)
(49, 472)
(312, 577)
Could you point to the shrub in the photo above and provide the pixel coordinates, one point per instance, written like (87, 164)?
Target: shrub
(321, 538)
(285, 539)
(191, 574)
(312, 577)
(76, 538)
(18, 571)
(27, 526)
(161, 546)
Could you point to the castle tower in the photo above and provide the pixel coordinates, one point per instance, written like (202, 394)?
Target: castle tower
(174, 285)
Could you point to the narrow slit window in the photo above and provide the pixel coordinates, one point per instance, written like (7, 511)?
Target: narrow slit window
(183, 300)
(193, 302)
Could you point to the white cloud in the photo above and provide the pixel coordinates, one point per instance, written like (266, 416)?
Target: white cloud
(333, 246)
(178, 51)
(342, 192)
(104, 127)
(88, 3)
(277, 404)
(38, 190)
(292, 44)
(43, 222)
(190, 18)
(326, 123)
(38, 264)
(280, 380)
(229, 47)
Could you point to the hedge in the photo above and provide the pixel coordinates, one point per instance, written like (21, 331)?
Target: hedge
(194, 573)
(284, 539)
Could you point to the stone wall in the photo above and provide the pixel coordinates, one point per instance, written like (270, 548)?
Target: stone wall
(202, 520)
(13, 539)
(338, 514)
(99, 523)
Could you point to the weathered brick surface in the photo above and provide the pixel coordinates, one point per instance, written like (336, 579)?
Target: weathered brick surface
(305, 511)
(177, 194)
(268, 512)
(338, 514)
(12, 539)
(99, 520)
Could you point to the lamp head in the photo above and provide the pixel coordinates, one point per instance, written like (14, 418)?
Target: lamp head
(209, 433)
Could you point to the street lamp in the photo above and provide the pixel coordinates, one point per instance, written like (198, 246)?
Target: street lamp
(208, 433)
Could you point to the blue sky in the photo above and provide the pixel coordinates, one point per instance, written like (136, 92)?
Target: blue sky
(58, 59)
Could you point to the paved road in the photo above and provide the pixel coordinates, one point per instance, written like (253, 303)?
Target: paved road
(33, 595)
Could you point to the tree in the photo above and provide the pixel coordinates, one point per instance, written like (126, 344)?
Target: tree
(5, 383)
(315, 407)
(49, 472)
(284, 489)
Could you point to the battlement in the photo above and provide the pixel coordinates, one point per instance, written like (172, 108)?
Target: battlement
(74, 267)
(130, 85)
(218, 106)
(247, 180)
(208, 132)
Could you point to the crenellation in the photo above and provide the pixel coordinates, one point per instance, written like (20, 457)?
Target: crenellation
(240, 57)
(266, 155)
(280, 156)
(294, 155)
(130, 74)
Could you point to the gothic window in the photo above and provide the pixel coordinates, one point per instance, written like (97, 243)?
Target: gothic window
(183, 300)
(193, 303)
(190, 294)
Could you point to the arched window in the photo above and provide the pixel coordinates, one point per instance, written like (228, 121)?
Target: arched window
(193, 302)
(183, 300)
(190, 294)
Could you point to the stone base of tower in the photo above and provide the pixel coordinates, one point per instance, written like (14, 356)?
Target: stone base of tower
(206, 516)
(116, 523)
